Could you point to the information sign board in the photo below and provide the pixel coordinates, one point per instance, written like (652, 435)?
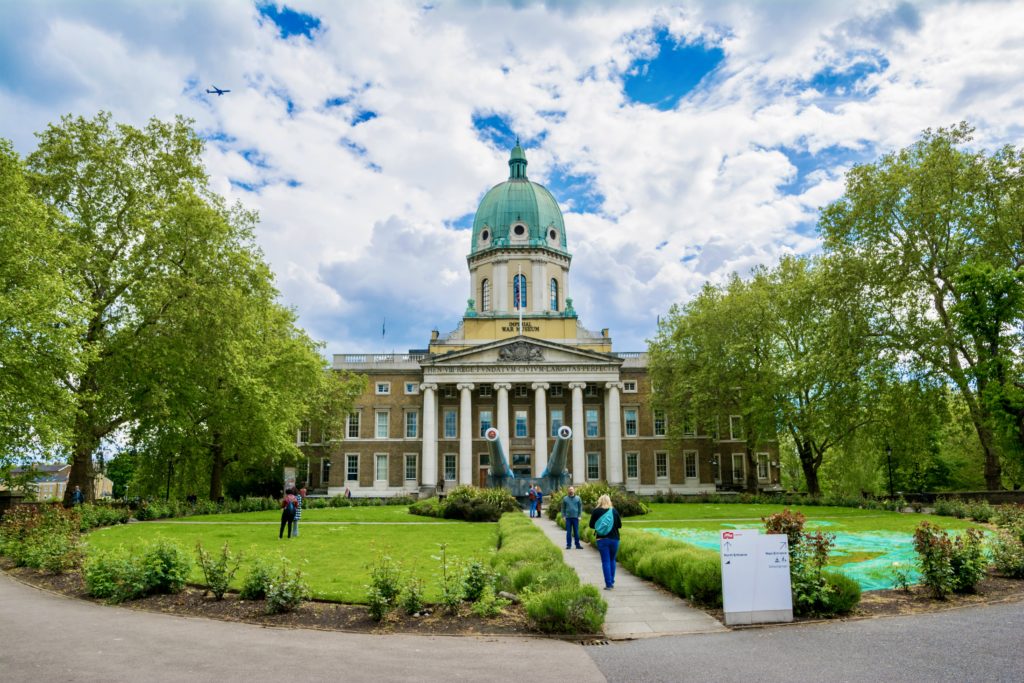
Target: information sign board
(755, 577)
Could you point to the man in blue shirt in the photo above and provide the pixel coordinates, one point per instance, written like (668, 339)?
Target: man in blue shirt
(572, 508)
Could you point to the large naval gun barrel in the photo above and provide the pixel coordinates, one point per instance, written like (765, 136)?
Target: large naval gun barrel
(555, 476)
(499, 474)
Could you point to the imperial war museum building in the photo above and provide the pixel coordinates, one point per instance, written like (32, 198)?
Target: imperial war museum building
(521, 362)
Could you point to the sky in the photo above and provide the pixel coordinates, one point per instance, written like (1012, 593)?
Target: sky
(683, 141)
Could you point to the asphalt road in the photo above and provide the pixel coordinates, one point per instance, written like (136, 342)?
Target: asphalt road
(46, 637)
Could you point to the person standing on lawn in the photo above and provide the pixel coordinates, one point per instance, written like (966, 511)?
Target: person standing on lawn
(300, 497)
(606, 522)
(572, 508)
(288, 504)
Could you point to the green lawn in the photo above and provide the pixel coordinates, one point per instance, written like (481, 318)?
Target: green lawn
(334, 548)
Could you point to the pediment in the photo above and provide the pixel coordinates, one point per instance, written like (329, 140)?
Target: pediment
(522, 351)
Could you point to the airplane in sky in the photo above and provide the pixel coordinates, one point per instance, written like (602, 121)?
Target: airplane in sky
(216, 91)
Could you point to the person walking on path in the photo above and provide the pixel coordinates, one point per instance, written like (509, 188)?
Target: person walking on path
(606, 522)
(532, 495)
(300, 496)
(288, 504)
(77, 497)
(572, 508)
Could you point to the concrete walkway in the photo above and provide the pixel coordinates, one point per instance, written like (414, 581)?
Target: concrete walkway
(636, 608)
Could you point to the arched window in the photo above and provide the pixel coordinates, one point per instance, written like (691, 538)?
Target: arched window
(485, 295)
(554, 294)
(519, 291)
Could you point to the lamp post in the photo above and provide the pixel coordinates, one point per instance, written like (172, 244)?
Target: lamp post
(888, 457)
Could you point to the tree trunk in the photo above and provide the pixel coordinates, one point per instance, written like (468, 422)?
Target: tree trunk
(993, 468)
(809, 467)
(216, 468)
(751, 483)
(81, 473)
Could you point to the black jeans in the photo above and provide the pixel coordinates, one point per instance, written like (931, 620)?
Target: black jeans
(285, 519)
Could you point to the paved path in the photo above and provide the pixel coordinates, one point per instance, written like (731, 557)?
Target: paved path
(636, 608)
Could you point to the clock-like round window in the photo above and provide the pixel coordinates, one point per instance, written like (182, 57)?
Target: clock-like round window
(519, 230)
(553, 235)
(485, 235)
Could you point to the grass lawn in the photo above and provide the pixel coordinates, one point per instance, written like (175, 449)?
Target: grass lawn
(333, 550)
(868, 542)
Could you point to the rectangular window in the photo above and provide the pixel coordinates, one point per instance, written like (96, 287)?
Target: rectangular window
(557, 420)
(485, 459)
(629, 387)
(591, 391)
(736, 428)
(383, 388)
(521, 424)
(352, 429)
(689, 423)
(762, 466)
(486, 391)
(630, 420)
(412, 388)
(593, 466)
(661, 465)
(380, 472)
(449, 467)
(556, 391)
(451, 423)
(522, 391)
(739, 470)
(351, 467)
(304, 433)
(690, 458)
(412, 424)
(325, 471)
(713, 427)
(659, 423)
(486, 421)
(591, 423)
(448, 392)
(632, 465)
(382, 424)
(410, 467)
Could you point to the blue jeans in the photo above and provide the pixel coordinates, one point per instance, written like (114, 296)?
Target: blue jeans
(533, 508)
(609, 548)
(572, 530)
(295, 527)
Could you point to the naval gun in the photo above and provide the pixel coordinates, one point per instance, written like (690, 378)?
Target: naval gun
(554, 476)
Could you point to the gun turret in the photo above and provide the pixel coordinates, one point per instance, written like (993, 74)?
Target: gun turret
(499, 474)
(555, 476)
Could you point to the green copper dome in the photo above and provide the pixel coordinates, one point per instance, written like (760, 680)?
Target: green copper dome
(518, 213)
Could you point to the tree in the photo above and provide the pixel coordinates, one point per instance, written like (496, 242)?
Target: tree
(40, 318)
(919, 224)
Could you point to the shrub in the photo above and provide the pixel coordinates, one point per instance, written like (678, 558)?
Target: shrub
(114, 575)
(1008, 554)
(219, 571)
(469, 503)
(579, 609)
(257, 581)
(476, 580)
(968, 561)
(981, 511)
(412, 596)
(690, 572)
(428, 507)
(287, 591)
(950, 507)
(488, 604)
(100, 514)
(628, 504)
(166, 567)
(844, 593)
(43, 537)
(949, 566)
(385, 587)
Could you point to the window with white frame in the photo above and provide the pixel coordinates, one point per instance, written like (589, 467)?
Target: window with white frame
(522, 391)
(485, 295)
(383, 388)
(689, 423)
(325, 471)
(352, 467)
(486, 421)
(593, 466)
(448, 392)
(383, 422)
(412, 424)
(713, 427)
(554, 294)
(762, 466)
(352, 428)
(629, 387)
(659, 423)
(451, 422)
(556, 391)
(410, 467)
(591, 423)
(304, 433)
(661, 465)
(557, 420)
(591, 391)
(690, 463)
(739, 468)
(522, 426)
(632, 465)
(629, 421)
(380, 470)
(486, 391)
(449, 467)
(736, 428)
(412, 388)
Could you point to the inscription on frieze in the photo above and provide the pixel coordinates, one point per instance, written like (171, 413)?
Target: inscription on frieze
(520, 352)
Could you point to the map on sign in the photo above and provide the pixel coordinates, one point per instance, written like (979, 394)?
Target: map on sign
(755, 577)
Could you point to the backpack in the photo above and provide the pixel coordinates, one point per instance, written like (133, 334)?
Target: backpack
(289, 507)
(533, 495)
(605, 523)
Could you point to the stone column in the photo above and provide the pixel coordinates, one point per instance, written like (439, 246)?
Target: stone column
(428, 468)
(540, 288)
(579, 455)
(502, 417)
(613, 435)
(540, 427)
(499, 290)
(465, 433)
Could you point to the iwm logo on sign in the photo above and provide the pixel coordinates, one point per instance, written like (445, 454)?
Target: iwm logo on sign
(514, 327)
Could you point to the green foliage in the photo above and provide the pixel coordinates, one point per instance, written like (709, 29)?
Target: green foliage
(690, 572)
(219, 571)
(469, 503)
(1008, 554)
(166, 566)
(488, 604)
(42, 536)
(951, 507)
(476, 579)
(287, 591)
(99, 514)
(412, 600)
(579, 609)
(843, 593)
(628, 504)
(947, 565)
(123, 573)
(452, 586)
(385, 587)
(257, 581)
(901, 576)
(980, 511)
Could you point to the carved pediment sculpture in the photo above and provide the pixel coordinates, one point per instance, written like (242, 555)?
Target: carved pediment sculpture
(520, 352)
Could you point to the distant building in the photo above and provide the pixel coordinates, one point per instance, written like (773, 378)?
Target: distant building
(519, 361)
(52, 480)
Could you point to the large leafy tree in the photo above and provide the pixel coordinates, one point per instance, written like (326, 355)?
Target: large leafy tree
(40, 320)
(936, 232)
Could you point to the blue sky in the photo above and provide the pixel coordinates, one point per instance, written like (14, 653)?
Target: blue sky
(683, 141)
